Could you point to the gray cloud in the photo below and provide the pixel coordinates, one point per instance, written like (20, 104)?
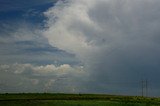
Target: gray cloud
(118, 41)
(44, 78)
(23, 43)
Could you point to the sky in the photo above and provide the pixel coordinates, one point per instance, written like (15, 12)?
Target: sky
(80, 46)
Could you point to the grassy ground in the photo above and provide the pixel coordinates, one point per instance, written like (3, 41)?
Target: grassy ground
(69, 103)
(75, 100)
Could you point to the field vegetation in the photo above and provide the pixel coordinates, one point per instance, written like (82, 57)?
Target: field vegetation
(46, 99)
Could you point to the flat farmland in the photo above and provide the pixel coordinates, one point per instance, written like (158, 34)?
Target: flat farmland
(45, 99)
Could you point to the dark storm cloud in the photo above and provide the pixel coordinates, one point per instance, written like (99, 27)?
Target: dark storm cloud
(120, 40)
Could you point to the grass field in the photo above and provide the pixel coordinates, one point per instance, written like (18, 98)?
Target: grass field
(75, 100)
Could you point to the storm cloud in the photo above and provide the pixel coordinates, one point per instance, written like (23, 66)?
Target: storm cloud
(117, 41)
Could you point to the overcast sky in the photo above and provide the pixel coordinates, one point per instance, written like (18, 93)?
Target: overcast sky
(80, 46)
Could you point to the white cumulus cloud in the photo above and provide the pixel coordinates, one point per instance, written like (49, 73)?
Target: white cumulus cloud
(42, 78)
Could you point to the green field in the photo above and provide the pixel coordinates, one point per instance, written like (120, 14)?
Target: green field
(75, 100)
